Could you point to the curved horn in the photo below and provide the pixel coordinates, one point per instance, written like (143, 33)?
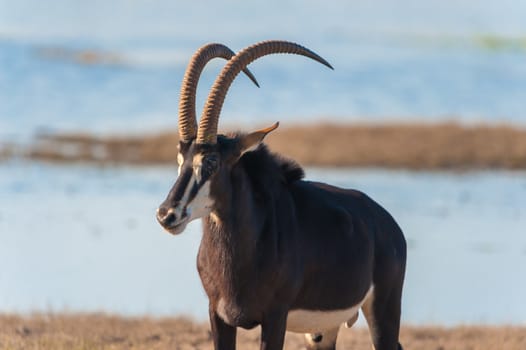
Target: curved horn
(207, 132)
(187, 117)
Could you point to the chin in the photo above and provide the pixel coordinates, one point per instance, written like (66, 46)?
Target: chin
(177, 229)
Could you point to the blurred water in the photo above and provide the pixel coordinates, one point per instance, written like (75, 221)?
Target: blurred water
(84, 239)
(433, 60)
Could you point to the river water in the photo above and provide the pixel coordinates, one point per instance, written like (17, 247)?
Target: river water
(79, 238)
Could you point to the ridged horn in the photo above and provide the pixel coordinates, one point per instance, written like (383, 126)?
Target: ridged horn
(207, 132)
(187, 115)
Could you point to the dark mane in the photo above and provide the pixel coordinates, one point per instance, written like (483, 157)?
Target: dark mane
(266, 168)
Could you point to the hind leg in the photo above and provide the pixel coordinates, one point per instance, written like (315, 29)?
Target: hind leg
(325, 340)
(382, 312)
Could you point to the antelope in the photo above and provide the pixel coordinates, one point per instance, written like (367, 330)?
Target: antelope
(278, 251)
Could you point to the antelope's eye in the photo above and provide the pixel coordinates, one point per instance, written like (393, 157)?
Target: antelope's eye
(209, 165)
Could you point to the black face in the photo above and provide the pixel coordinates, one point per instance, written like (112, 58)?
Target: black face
(190, 196)
(201, 169)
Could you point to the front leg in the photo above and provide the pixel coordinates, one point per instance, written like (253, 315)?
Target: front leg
(273, 329)
(223, 335)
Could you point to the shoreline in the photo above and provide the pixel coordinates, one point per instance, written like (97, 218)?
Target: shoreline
(412, 146)
(100, 331)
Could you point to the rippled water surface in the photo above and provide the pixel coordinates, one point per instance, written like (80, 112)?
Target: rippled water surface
(85, 239)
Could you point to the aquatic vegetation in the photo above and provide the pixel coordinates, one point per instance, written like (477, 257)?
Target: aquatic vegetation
(84, 57)
(500, 43)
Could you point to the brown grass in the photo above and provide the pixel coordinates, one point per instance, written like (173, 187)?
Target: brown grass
(440, 146)
(410, 146)
(5, 152)
(84, 57)
(98, 331)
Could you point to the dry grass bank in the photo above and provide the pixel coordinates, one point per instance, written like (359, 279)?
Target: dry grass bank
(410, 146)
(5, 153)
(96, 331)
(83, 57)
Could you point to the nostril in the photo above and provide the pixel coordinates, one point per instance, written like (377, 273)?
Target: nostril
(169, 219)
(165, 216)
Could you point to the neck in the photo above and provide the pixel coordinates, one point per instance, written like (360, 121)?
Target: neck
(232, 231)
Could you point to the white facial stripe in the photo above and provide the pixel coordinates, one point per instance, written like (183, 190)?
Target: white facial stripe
(197, 162)
(201, 205)
(186, 195)
(188, 189)
(180, 161)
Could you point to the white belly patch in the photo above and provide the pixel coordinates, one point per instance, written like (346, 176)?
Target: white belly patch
(312, 321)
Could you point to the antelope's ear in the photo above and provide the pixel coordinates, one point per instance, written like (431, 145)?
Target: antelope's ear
(251, 141)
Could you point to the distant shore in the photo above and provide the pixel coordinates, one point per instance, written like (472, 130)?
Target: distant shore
(440, 146)
(99, 331)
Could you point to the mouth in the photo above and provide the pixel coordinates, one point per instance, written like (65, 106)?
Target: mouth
(178, 227)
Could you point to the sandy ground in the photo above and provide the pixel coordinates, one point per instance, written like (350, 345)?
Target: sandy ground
(444, 146)
(98, 331)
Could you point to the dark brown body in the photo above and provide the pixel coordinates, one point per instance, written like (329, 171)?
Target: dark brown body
(297, 245)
